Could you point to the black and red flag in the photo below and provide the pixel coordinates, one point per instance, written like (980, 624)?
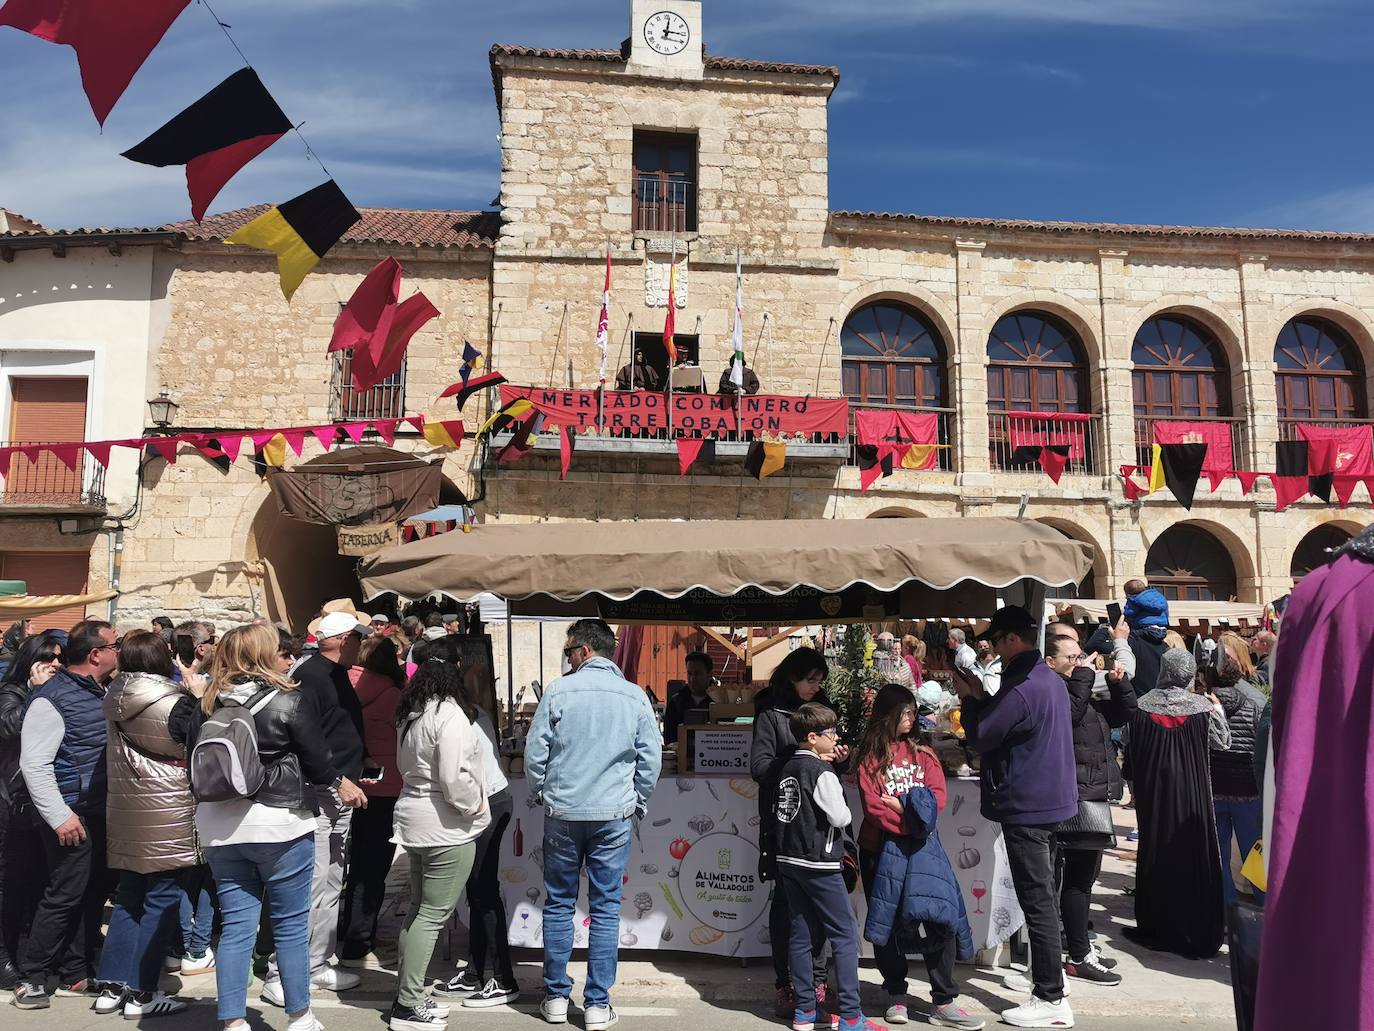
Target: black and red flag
(462, 391)
(1290, 477)
(216, 136)
(695, 450)
(874, 464)
(111, 40)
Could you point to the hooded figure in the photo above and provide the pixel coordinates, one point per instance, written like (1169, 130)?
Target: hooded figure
(1147, 614)
(1178, 900)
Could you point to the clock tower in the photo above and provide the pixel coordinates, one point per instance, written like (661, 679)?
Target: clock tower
(665, 38)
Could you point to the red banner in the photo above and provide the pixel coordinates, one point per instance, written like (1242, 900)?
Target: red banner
(1216, 435)
(1354, 447)
(910, 437)
(704, 414)
(1050, 429)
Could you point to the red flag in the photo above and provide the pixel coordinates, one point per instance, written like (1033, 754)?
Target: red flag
(566, 445)
(670, 320)
(386, 429)
(1216, 435)
(296, 438)
(261, 437)
(1354, 455)
(1053, 460)
(230, 443)
(100, 451)
(910, 436)
(1345, 488)
(1287, 489)
(67, 454)
(355, 431)
(326, 435)
(166, 447)
(1247, 481)
(111, 40)
(383, 356)
(1216, 478)
(369, 310)
(691, 450)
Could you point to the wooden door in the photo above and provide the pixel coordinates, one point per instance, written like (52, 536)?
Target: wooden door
(45, 410)
(50, 572)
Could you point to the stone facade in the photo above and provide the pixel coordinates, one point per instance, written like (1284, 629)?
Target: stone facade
(236, 355)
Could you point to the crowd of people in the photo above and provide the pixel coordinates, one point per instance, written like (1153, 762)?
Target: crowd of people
(255, 785)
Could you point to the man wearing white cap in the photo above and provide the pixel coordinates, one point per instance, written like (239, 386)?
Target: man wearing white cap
(338, 632)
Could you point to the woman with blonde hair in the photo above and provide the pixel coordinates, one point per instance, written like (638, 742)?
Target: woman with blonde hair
(263, 847)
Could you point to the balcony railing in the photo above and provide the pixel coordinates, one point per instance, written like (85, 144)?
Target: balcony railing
(944, 422)
(47, 482)
(386, 400)
(1288, 428)
(1009, 434)
(664, 205)
(1145, 436)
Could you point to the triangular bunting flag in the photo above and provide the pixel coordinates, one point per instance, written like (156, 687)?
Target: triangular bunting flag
(1182, 464)
(216, 136)
(166, 447)
(67, 454)
(230, 443)
(463, 391)
(273, 451)
(1247, 481)
(1215, 478)
(1344, 487)
(111, 40)
(214, 454)
(765, 457)
(296, 438)
(693, 450)
(386, 429)
(355, 431)
(1156, 481)
(300, 231)
(1054, 459)
(261, 437)
(1321, 465)
(415, 422)
(566, 446)
(326, 435)
(100, 451)
(443, 434)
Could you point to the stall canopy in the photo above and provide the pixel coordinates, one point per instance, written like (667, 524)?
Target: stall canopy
(28, 606)
(757, 572)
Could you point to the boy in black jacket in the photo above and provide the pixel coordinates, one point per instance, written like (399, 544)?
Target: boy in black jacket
(811, 816)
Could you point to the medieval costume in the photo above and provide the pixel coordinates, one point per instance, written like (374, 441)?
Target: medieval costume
(1178, 877)
(1319, 916)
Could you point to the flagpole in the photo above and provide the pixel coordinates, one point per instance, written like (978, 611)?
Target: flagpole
(739, 344)
(672, 354)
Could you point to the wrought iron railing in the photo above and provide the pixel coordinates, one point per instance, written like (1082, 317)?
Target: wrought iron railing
(386, 400)
(46, 481)
(1011, 436)
(1236, 429)
(664, 205)
(944, 423)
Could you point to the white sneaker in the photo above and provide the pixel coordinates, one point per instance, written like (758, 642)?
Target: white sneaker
(1039, 1013)
(308, 1022)
(272, 993)
(112, 999)
(896, 1013)
(157, 1004)
(332, 979)
(191, 965)
(554, 1010)
(599, 1018)
(439, 1009)
(1021, 982)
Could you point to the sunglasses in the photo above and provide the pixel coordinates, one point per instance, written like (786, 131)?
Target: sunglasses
(568, 652)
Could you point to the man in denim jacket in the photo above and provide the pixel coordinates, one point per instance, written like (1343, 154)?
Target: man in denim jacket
(592, 760)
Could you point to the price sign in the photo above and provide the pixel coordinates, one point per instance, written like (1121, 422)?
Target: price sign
(724, 750)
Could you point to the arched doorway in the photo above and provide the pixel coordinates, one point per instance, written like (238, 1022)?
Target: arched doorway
(1317, 548)
(307, 568)
(1189, 564)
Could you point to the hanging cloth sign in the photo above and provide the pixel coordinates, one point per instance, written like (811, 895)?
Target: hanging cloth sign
(692, 413)
(364, 540)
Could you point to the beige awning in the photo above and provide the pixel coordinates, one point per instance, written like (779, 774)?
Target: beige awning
(26, 606)
(1193, 613)
(724, 573)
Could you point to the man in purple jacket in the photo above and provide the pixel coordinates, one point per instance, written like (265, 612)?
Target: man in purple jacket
(1026, 743)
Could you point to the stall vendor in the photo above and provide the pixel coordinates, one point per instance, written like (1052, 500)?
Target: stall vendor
(695, 695)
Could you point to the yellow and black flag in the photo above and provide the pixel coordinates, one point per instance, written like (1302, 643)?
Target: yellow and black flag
(765, 457)
(216, 136)
(301, 231)
(507, 414)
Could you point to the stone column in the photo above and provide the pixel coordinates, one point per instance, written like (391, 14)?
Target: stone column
(1117, 397)
(1260, 396)
(968, 368)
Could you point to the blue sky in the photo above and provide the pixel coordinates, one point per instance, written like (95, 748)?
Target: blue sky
(1219, 112)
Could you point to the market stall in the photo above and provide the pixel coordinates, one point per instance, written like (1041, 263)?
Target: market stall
(692, 883)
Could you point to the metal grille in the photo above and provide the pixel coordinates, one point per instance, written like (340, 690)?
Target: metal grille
(663, 205)
(386, 400)
(47, 482)
(1006, 435)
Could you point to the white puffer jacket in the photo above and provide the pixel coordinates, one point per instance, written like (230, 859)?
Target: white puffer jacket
(444, 800)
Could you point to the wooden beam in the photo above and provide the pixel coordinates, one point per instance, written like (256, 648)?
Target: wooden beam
(728, 645)
(776, 639)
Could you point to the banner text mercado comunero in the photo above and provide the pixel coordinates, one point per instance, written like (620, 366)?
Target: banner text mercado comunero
(702, 414)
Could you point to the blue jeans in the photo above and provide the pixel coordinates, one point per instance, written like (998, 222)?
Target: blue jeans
(244, 874)
(143, 921)
(820, 909)
(197, 910)
(1246, 821)
(602, 847)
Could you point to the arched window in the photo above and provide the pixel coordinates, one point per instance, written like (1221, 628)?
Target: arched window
(1317, 549)
(1320, 375)
(893, 355)
(1188, 564)
(1180, 371)
(1036, 364)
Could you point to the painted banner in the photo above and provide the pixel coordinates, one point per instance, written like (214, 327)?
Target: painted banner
(691, 883)
(910, 437)
(1050, 429)
(1354, 447)
(1216, 435)
(629, 411)
(364, 540)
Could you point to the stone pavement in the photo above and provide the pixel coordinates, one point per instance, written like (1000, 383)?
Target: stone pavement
(1157, 990)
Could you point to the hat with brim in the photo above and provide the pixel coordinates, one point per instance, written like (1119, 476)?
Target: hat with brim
(349, 619)
(1012, 619)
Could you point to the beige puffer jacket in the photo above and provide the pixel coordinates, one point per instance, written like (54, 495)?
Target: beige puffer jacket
(151, 812)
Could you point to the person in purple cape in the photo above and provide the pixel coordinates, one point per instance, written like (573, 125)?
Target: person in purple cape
(1319, 914)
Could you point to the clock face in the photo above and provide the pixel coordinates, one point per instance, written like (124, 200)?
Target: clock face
(666, 33)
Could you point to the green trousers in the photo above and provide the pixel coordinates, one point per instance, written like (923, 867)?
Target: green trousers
(437, 876)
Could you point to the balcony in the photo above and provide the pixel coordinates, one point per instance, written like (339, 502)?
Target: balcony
(1233, 429)
(1288, 428)
(1010, 432)
(944, 422)
(664, 205)
(45, 482)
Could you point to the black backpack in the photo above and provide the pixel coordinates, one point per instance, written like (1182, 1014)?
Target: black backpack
(225, 764)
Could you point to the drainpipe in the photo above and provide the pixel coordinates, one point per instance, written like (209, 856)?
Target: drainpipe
(116, 565)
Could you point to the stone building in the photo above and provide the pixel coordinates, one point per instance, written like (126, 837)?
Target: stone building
(664, 152)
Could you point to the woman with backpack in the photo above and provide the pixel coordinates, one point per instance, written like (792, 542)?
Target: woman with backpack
(261, 844)
(440, 815)
(151, 839)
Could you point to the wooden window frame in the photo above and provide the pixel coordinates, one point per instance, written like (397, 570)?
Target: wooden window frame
(887, 360)
(663, 214)
(1169, 359)
(1005, 370)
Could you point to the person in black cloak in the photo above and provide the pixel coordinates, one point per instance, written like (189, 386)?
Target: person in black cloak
(1178, 905)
